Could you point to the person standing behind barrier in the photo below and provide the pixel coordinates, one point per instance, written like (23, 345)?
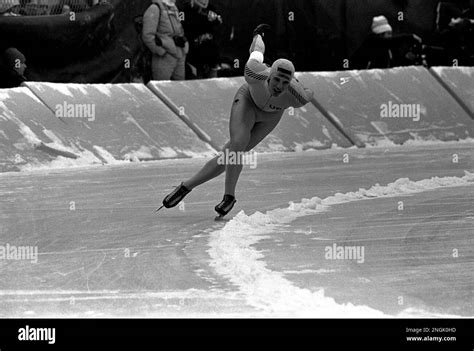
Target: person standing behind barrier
(163, 34)
(201, 22)
(65, 7)
(455, 30)
(382, 49)
(447, 11)
(10, 8)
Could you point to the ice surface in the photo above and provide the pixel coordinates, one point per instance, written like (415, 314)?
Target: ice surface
(234, 256)
(144, 153)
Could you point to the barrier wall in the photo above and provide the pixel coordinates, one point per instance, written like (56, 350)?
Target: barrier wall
(459, 81)
(29, 135)
(394, 105)
(123, 121)
(104, 123)
(206, 104)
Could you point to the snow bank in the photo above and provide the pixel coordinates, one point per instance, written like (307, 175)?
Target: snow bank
(234, 257)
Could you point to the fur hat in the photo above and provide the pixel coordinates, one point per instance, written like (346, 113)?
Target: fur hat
(380, 25)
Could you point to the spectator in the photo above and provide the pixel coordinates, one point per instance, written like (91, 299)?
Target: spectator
(200, 24)
(9, 7)
(468, 14)
(12, 68)
(66, 6)
(454, 29)
(382, 49)
(163, 35)
(66, 10)
(448, 10)
(35, 8)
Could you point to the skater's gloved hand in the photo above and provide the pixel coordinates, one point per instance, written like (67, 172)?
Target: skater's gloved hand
(261, 29)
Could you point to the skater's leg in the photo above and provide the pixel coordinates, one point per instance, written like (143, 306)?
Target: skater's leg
(258, 132)
(261, 130)
(242, 112)
(210, 170)
(242, 120)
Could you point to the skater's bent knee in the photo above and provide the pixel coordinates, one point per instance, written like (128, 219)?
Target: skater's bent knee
(239, 144)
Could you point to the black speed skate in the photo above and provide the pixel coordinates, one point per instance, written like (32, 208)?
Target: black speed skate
(175, 197)
(225, 206)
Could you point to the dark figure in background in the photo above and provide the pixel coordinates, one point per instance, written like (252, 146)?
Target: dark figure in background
(64, 7)
(447, 11)
(382, 49)
(12, 68)
(200, 24)
(10, 8)
(454, 30)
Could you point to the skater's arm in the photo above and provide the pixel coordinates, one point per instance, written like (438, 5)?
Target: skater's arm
(257, 48)
(255, 70)
(299, 94)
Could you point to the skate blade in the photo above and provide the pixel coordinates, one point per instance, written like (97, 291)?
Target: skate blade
(221, 218)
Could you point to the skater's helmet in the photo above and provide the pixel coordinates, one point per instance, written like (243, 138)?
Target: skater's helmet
(283, 67)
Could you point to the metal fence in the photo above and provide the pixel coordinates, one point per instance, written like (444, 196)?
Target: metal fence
(43, 7)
